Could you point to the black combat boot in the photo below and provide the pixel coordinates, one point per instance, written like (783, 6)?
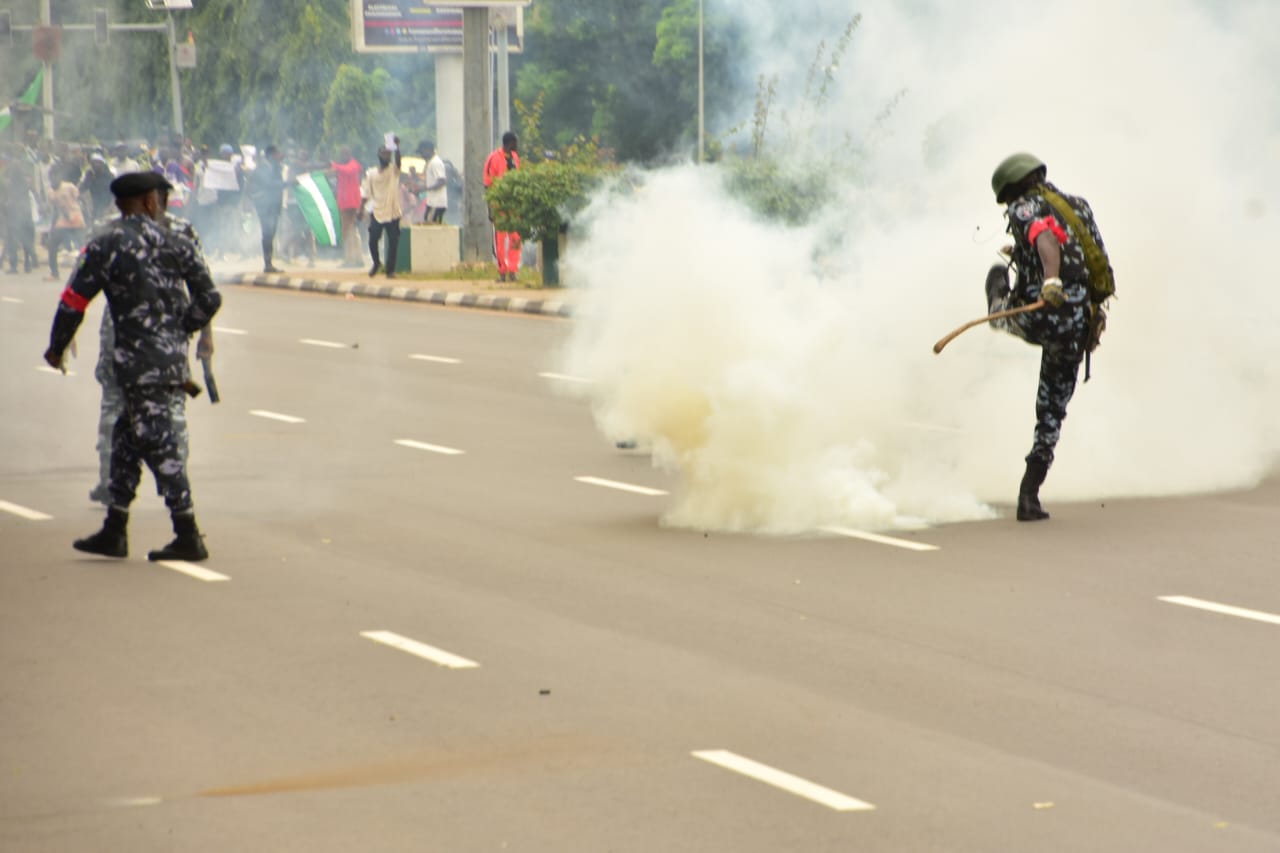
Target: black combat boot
(188, 545)
(112, 540)
(1029, 492)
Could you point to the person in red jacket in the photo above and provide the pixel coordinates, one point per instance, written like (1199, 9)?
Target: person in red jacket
(506, 244)
(348, 171)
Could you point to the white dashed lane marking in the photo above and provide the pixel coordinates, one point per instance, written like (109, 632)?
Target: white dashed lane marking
(430, 448)
(784, 781)
(276, 416)
(564, 377)
(1223, 609)
(880, 540)
(44, 368)
(621, 487)
(313, 342)
(417, 649)
(23, 512)
(12, 299)
(437, 359)
(193, 571)
(227, 330)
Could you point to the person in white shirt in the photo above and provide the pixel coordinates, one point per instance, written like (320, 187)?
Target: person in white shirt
(382, 189)
(437, 181)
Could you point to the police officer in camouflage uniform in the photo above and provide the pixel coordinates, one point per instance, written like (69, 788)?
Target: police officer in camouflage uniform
(1050, 264)
(112, 395)
(159, 293)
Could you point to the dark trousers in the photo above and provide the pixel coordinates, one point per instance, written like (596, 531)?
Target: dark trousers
(58, 237)
(150, 430)
(20, 237)
(270, 220)
(393, 241)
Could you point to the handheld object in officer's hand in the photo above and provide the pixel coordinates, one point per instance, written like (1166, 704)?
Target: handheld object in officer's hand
(207, 364)
(193, 390)
(1023, 309)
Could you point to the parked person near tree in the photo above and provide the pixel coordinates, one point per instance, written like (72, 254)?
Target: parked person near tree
(382, 189)
(506, 244)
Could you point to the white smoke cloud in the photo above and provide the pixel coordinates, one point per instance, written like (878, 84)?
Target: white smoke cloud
(786, 375)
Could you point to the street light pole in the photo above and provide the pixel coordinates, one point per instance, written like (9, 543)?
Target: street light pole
(174, 83)
(702, 122)
(46, 20)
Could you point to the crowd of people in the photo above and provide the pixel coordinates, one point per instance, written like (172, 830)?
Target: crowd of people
(53, 196)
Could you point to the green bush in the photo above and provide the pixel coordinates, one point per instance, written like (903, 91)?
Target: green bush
(539, 200)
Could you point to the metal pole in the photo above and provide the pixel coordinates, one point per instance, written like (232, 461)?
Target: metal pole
(174, 83)
(702, 121)
(46, 19)
(504, 79)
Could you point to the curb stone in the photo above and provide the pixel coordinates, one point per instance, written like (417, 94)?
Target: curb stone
(403, 293)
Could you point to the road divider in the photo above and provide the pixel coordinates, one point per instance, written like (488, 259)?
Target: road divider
(417, 649)
(783, 781)
(430, 448)
(23, 512)
(908, 544)
(1222, 609)
(193, 571)
(276, 416)
(621, 487)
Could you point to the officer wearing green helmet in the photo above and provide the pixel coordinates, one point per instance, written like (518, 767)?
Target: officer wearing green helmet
(1058, 256)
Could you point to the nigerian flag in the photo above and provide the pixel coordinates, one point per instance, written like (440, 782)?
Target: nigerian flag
(29, 96)
(319, 207)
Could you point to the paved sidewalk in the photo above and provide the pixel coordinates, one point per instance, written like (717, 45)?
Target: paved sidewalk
(552, 301)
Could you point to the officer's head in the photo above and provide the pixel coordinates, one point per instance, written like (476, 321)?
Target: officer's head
(140, 193)
(1016, 174)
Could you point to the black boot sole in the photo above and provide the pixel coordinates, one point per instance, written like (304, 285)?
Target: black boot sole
(118, 551)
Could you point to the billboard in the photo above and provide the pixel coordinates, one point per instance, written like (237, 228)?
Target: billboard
(410, 26)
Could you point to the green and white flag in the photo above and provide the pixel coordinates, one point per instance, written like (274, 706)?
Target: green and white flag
(28, 97)
(319, 207)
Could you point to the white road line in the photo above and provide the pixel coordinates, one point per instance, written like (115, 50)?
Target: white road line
(134, 802)
(878, 539)
(422, 650)
(13, 299)
(194, 571)
(438, 359)
(622, 487)
(778, 779)
(227, 330)
(313, 342)
(23, 512)
(431, 448)
(44, 368)
(276, 416)
(1224, 609)
(564, 377)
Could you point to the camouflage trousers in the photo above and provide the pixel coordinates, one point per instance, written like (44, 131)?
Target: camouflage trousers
(147, 432)
(1061, 337)
(110, 412)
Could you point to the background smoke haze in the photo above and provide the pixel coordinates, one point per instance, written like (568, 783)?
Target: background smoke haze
(787, 374)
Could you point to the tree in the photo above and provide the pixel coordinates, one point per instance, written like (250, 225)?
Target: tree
(356, 108)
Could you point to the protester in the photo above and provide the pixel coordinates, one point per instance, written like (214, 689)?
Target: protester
(506, 244)
(20, 226)
(266, 190)
(382, 188)
(95, 188)
(68, 220)
(347, 170)
(436, 182)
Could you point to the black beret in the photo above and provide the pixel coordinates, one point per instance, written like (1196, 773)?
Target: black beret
(132, 184)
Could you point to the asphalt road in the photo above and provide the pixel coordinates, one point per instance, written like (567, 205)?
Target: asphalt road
(410, 649)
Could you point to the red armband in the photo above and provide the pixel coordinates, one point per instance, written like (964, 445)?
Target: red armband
(1048, 223)
(74, 301)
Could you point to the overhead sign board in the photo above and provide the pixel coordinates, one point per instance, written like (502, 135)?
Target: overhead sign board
(410, 26)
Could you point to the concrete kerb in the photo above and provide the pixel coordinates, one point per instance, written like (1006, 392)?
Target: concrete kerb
(403, 293)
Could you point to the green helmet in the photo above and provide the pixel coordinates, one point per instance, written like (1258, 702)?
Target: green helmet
(1012, 169)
